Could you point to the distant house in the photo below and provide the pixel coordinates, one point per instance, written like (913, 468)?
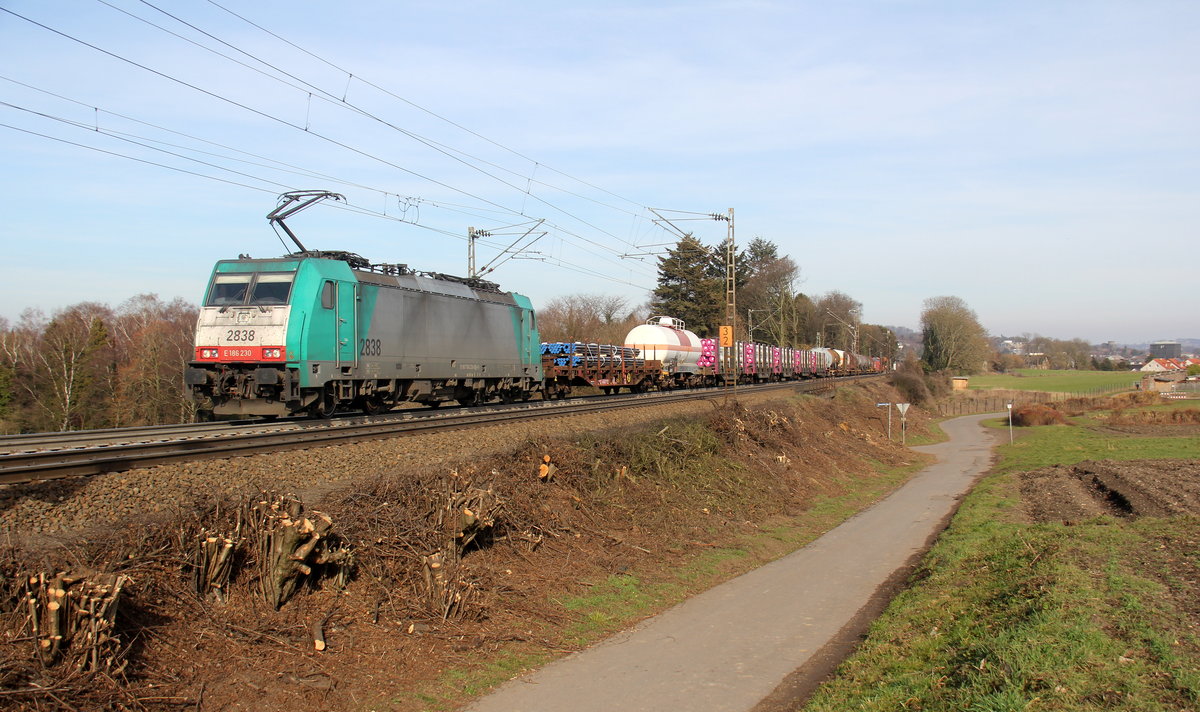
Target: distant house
(1160, 365)
(1009, 346)
(1037, 359)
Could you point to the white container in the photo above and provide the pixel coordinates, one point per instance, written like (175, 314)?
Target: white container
(666, 339)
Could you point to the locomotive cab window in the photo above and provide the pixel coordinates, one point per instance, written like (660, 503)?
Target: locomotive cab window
(228, 289)
(271, 289)
(328, 295)
(253, 289)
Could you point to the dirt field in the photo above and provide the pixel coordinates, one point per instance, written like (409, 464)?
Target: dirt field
(1136, 488)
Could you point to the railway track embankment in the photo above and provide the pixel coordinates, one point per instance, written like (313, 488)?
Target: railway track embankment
(51, 486)
(43, 456)
(635, 515)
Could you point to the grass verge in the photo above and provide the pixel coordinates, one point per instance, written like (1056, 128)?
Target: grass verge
(1087, 439)
(1005, 615)
(1032, 379)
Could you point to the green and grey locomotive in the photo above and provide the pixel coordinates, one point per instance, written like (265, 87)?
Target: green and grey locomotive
(315, 331)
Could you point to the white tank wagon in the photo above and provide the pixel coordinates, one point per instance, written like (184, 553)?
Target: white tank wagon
(666, 339)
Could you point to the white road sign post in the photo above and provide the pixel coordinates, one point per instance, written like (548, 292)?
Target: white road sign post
(889, 407)
(903, 408)
(1010, 423)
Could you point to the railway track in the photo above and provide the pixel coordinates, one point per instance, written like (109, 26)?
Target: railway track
(47, 456)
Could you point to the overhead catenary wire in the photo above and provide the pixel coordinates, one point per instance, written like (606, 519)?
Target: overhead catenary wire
(262, 161)
(252, 110)
(558, 262)
(329, 97)
(78, 124)
(351, 76)
(402, 200)
(285, 122)
(133, 158)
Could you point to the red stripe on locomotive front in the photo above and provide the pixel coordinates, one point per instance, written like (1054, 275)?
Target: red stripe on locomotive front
(226, 354)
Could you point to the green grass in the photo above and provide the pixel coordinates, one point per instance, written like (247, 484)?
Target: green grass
(936, 435)
(1046, 445)
(1032, 379)
(1004, 615)
(611, 604)
(1014, 617)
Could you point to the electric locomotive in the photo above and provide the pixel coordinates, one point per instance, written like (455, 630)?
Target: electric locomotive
(315, 331)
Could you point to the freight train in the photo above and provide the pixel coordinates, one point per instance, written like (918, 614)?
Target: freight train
(318, 331)
(322, 331)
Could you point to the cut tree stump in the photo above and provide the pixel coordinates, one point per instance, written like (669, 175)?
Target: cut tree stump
(295, 548)
(71, 617)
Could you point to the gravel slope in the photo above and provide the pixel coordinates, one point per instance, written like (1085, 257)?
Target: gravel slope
(66, 505)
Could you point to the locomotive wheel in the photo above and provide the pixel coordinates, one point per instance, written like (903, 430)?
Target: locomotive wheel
(324, 407)
(374, 405)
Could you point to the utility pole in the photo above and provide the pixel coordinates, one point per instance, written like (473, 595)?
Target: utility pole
(852, 327)
(750, 321)
(728, 330)
(508, 253)
(730, 301)
(471, 237)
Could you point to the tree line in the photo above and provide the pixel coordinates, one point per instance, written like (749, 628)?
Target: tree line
(692, 286)
(1051, 353)
(92, 366)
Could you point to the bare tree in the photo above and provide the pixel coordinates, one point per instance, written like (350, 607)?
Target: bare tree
(154, 341)
(7, 372)
(602, 318)
(802, 321)
(837, 314)
(876, 340)
(952, 339)
(62, 369)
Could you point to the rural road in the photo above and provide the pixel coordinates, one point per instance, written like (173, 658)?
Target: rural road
(761, 640)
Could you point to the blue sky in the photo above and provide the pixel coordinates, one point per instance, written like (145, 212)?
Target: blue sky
(1037, 159)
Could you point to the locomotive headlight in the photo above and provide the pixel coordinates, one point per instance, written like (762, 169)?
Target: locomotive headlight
(272, 353)
(208, 353)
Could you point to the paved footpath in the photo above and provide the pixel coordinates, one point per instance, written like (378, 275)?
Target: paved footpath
(727, 649)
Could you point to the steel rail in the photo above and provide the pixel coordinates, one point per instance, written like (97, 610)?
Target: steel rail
(24, 467)
(77, 438)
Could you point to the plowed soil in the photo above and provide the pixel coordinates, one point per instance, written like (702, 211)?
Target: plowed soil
(1135, 488)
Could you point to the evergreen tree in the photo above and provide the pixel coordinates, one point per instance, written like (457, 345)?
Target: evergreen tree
(690, 287)
(760, 253)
